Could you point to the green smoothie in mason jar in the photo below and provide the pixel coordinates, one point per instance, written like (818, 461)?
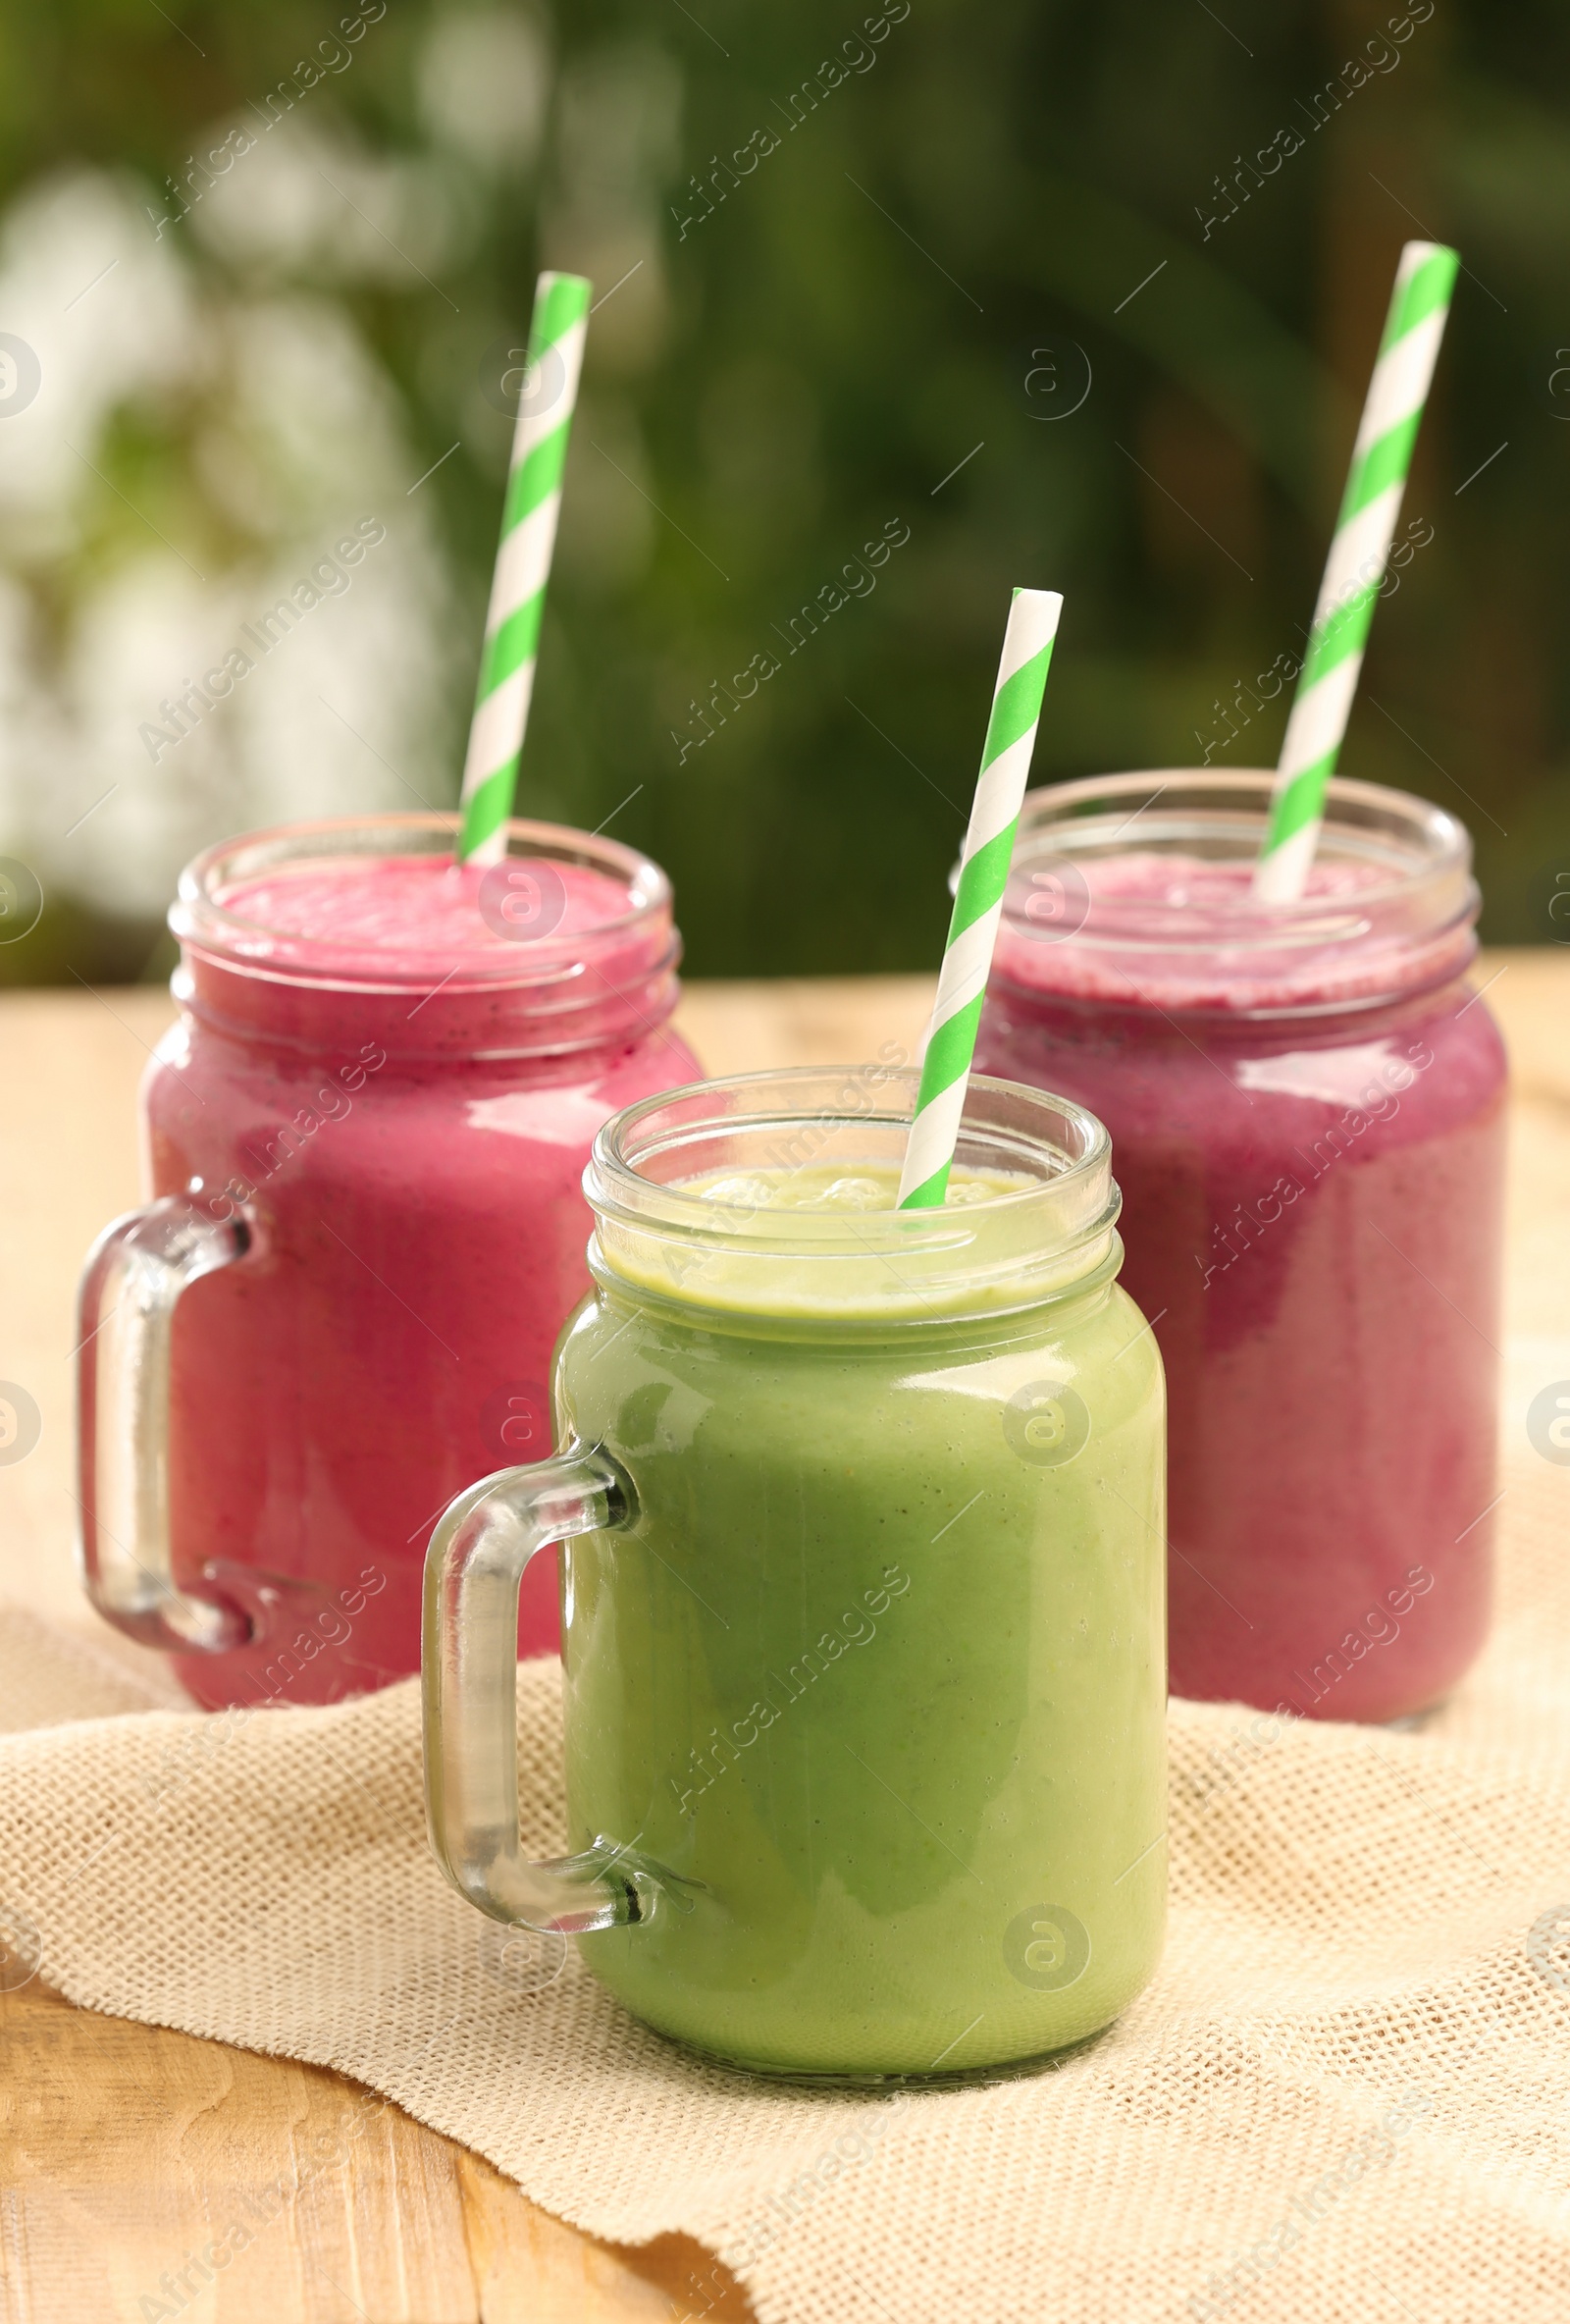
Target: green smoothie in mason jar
(864, 1619)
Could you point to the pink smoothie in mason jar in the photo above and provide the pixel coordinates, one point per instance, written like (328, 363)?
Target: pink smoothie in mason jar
(390, 1071)
(1306, 1104)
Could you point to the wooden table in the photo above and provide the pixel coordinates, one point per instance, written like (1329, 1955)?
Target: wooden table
(110, 2132)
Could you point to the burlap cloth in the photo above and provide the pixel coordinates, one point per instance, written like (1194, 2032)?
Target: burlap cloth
(1344, 2096)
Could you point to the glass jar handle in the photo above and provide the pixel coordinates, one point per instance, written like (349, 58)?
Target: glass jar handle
(469, 1663)
(134, 1273)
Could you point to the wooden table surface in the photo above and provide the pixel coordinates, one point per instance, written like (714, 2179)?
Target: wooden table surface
(111, 2132)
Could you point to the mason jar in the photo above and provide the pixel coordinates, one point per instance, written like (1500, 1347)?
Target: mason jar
(364, 1140)
(1307, 1102)
(863, 1592)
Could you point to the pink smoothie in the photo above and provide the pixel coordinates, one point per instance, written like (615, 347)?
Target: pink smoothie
(415, 918)
(403, 1100)
(1309, 1138)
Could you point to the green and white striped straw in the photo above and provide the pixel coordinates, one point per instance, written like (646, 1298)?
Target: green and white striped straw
(1355, 568)
(523, 565)
(978, 898)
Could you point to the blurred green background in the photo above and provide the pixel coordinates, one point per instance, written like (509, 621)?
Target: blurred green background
(1020, 279)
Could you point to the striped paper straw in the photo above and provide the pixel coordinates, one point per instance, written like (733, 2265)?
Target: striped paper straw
(978, 900)
(523, 565)
(1355, 568)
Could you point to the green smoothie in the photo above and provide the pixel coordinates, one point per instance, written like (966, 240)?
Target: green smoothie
(876, 1671)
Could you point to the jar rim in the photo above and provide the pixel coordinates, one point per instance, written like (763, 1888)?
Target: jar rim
(1392, 910)
(656, 1232)
(204, 923)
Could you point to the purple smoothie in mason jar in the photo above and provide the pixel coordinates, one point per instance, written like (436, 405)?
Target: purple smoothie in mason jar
(1306, 1104)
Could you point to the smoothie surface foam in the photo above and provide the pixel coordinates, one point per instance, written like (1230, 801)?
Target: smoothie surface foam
(1199, 883)
(426, 905)
(868, 1186)
(1185, 931)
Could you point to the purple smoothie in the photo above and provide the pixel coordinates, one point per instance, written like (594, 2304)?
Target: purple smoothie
(1307, 1111)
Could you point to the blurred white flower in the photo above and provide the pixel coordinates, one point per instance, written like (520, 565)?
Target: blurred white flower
(307, 196)
(195, 447)
(111, 319)
(484, 79)
(307, 422)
